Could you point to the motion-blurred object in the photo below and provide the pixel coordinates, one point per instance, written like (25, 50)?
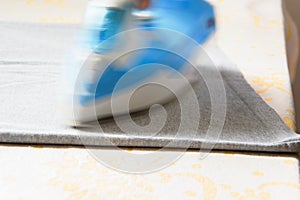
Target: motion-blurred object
(128, 59)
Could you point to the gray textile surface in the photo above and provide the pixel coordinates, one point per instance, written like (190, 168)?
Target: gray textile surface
(30, 60)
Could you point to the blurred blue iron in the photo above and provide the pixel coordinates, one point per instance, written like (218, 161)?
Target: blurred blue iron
(123, 48)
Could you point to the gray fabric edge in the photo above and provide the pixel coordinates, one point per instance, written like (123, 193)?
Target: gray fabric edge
(98, 141)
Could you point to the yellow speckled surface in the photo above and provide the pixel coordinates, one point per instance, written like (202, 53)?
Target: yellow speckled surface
(71, 173)
(251, 34)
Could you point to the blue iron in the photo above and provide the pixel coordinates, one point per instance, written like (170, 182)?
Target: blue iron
(122, 50)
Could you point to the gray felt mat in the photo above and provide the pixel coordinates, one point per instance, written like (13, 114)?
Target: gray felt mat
(30, 62)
